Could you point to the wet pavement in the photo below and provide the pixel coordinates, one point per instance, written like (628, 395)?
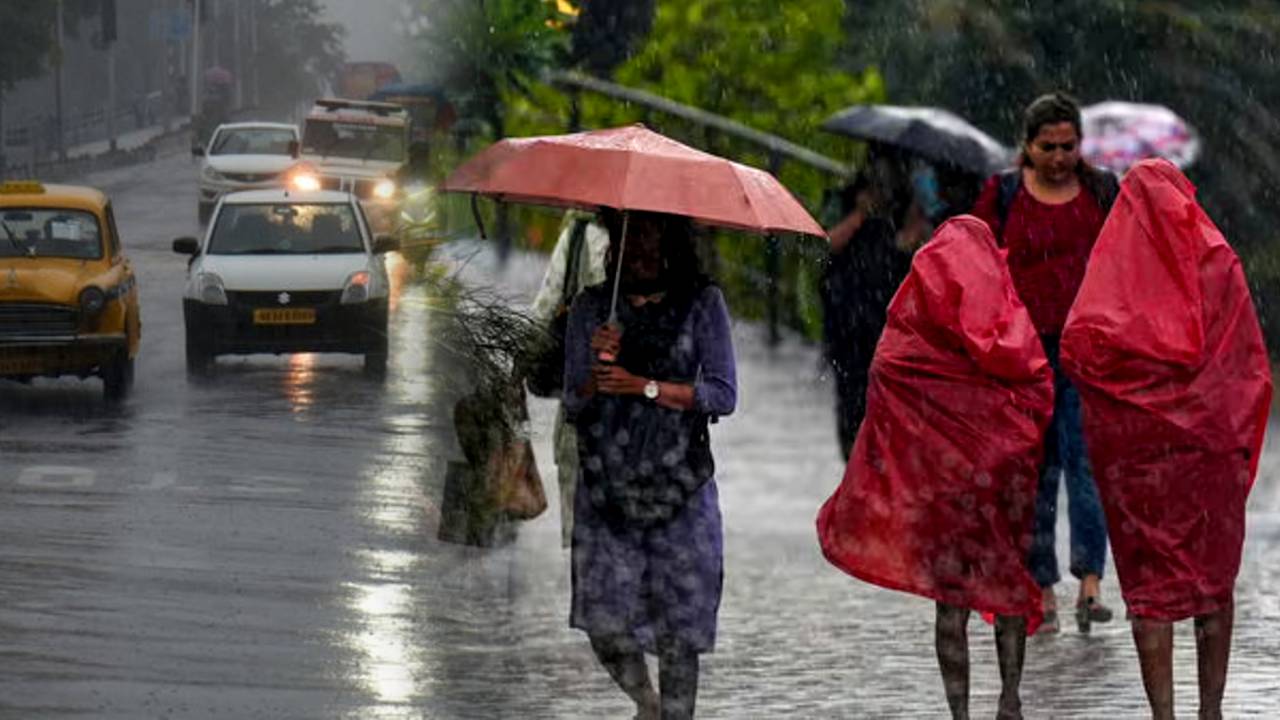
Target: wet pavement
(262, 545)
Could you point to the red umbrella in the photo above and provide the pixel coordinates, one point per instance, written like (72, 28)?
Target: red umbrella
(633, 168)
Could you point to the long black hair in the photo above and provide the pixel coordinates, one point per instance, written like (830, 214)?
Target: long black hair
(681, 265)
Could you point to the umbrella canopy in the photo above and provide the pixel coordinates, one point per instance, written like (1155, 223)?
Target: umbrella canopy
(1118, 134)
(633, 168)
(932, 133)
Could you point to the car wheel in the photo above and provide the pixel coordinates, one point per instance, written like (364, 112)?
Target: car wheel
(199, 354)
(117, 377)
(375, 350)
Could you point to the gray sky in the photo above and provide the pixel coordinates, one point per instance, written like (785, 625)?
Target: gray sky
(371, 34)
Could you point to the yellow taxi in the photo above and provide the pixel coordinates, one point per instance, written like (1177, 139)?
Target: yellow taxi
(68, 295)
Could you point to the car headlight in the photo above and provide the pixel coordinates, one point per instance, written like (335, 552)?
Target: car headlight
(209, 289)
(92, 301)
(356, 289)
(211, 174)
(385, 189)
(304, 181)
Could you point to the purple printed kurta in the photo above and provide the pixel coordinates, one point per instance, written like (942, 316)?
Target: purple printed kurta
(660, 584)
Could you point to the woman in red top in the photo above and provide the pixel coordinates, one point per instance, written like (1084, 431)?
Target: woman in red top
(1047, 214)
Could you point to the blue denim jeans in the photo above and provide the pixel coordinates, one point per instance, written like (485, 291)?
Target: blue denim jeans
(1066, 455)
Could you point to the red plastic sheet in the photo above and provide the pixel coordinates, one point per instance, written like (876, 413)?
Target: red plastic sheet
(939, 494)
(1166, 350)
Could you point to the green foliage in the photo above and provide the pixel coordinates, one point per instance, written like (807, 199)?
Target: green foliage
(485, 51)
(302, 54)
(28, 39)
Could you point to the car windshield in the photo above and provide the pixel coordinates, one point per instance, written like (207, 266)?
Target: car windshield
(252, 141)
(285, 229)
(50, 232)
(354, 140)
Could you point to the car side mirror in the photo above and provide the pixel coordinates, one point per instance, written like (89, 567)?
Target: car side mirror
(294, 149)
(385, 244)
(197, 151)
(186, 246)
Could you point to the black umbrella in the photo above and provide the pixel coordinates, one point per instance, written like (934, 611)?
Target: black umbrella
(931, 133)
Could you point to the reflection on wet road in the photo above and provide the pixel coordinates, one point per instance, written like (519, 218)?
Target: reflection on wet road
(263, 545)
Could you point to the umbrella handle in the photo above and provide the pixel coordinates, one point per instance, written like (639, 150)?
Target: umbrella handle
(475, 213)
(617, 275)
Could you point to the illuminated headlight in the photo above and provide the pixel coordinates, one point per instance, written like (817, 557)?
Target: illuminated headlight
(304, 181)
(385, 189)
(356, 289)
(92, 301)
(209, 289)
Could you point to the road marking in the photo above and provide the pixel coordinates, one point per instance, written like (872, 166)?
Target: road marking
(57, 477)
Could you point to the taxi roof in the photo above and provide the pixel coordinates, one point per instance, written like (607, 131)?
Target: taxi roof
(279, 195)
(72, 197)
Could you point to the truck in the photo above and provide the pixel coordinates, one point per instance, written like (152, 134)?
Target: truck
(360, 147)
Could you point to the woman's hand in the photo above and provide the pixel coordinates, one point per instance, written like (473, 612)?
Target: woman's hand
(606, 341)
(615, 380)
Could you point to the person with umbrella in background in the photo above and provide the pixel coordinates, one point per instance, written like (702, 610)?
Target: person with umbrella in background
(938, 496)
(1047, 213)
(649, 365)
(1164, 344)
(923, 166)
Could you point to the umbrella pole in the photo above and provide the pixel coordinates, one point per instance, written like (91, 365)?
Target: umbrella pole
(617, 275)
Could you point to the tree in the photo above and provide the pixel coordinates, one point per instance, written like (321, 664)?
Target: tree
(607, 32)
(298, 53)
(483, 51)
(28, 40)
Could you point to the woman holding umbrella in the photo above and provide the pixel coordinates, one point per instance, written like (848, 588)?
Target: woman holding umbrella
(1165, 346)
(648, 364)
(647, 544)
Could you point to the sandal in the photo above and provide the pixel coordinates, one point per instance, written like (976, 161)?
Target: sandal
(1049, 625)
(1091, 611)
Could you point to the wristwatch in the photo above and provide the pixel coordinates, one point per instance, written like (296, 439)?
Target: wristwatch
(651, 389)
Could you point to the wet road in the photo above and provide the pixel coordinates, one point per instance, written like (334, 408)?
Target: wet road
(262, 545)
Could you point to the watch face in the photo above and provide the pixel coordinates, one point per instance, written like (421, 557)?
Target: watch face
(651, 390)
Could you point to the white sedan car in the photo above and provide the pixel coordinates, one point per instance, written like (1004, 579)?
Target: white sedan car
(282, 271)
(244, 156)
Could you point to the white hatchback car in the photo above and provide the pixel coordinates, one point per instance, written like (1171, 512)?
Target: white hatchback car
(244, 156)
(282, 271)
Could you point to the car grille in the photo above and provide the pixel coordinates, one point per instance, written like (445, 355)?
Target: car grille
(251, 177)
(271, 299)
(362, 189)
(37, 320)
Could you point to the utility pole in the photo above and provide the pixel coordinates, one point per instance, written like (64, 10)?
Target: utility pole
(194, 79)
(237, 56)
(60, 140)
(253, 48)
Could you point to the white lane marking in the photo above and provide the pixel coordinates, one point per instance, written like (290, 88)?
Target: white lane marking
(57, 477)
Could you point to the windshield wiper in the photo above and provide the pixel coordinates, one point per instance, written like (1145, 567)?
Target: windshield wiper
(336, 249)
(27, 250)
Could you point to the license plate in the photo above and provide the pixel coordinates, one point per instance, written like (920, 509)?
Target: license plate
(20, 365)
(284, 316)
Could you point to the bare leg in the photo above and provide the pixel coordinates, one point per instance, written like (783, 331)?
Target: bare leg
(626, 666)
(1154, 640)
(1213, 650)
(951, 635)
(1011, 651)
(678, 681)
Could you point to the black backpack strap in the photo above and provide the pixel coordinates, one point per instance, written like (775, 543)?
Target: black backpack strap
(1010, 181)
